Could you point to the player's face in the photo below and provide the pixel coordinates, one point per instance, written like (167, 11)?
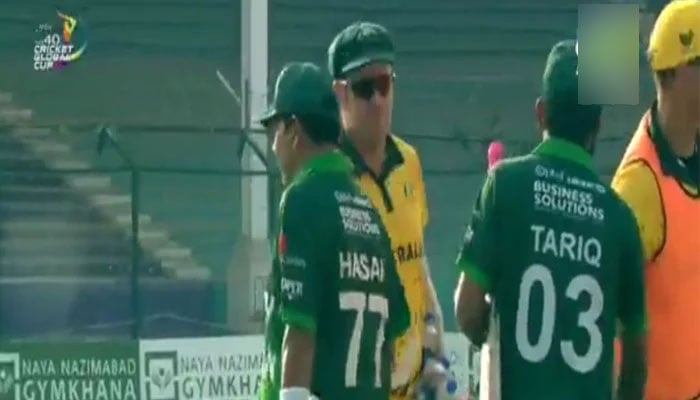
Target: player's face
(283, 147)
(688, 84)
(367, 99)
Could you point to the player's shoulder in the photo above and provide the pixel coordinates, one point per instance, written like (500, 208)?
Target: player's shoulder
(312, 194)
(622, 208)
(408, 152)
(514, 168)
(635, 178)
(636, 186)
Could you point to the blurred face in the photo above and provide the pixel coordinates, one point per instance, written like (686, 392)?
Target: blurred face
(366, 99)
(687, 87)
(283, 145)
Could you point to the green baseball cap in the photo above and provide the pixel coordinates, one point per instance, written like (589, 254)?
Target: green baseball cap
(302, 88)
(358, 45)
(560, 78)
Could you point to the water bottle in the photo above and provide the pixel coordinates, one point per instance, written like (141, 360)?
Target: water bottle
(438, 383)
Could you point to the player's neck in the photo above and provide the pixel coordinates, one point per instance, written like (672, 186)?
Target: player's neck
(373, 154)
(679, 127)
(316, 151)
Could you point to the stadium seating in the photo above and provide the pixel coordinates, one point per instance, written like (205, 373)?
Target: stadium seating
(48, 227)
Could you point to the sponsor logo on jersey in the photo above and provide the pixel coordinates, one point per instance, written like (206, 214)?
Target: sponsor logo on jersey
(565, 200)
(287, 260)
(357, 221)
(584, 184)
(352, 199)
(360, 266)
(291, 289)
(567, 245)
(408, 252)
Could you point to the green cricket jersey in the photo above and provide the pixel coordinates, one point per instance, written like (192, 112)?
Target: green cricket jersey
(561, 257)
(334, 275)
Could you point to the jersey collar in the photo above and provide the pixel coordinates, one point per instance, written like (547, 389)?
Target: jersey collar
(560, 148)
(393, 159)
(328, 162)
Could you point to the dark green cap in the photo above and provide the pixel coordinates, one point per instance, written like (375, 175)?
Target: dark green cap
(302, 88)
(358, 45)
(560, 78)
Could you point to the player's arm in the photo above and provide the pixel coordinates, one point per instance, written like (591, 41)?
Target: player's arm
(431, 298)
(299, 266)
(478, 267)
(632, 313)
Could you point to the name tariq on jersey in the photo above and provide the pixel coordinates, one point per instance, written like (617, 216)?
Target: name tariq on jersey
(573, 202)
(567, 245)
(361, 267)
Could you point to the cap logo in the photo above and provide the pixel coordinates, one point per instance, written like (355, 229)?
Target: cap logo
(686, 39)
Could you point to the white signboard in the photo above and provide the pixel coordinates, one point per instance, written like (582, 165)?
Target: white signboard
(224, 368)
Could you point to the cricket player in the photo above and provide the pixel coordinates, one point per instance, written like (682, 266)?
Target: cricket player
(361, 61)
(335, 301)
(560, 257)
(659, 178)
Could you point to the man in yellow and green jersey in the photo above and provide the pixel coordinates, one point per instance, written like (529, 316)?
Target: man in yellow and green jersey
(361, 62)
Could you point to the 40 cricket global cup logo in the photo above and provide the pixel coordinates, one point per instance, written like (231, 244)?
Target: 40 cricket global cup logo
(60, 43)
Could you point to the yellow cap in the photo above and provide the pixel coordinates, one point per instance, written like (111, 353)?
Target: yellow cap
(675, 39)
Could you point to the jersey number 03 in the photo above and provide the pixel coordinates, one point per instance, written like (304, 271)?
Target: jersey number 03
(359, 303)
(587, 320)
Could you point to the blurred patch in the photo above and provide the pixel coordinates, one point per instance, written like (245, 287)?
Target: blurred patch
(608, 49)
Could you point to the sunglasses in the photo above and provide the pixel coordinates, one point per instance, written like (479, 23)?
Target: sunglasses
(365, 88)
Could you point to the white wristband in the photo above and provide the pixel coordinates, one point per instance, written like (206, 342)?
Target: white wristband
(295, 393)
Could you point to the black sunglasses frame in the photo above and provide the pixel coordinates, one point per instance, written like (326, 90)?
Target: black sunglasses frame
(366, 88)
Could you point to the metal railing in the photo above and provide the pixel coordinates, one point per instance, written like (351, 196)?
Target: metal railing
(170, 182)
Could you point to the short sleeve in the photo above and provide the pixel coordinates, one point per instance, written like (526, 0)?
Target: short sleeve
(399, 313)
(300, 260)
(476, 258)
(631, 293)
(636, 185)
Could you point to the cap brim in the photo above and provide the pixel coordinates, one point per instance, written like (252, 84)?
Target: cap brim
(268, 115)
(367, 59)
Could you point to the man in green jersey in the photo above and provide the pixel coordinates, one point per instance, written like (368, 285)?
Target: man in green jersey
(559, 255)
(335, 301)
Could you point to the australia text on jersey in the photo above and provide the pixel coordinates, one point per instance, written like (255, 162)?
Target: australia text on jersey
(567, 196)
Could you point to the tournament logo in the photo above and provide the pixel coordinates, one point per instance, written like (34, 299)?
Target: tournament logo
(161, 373)
(60, 43)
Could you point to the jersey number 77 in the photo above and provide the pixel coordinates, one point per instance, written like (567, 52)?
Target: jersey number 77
(361, 304)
